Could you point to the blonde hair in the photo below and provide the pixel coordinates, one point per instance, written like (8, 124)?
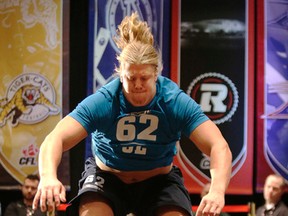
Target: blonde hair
(136, 42)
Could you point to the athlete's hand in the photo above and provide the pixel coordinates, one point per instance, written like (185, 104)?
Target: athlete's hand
(50, 194)
(211, 204)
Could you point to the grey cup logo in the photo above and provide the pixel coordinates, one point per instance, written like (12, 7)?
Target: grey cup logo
(30, 99)
(216, 94)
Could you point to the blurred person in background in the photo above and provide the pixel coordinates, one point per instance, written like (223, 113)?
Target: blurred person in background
(23, 207)
(274, 188)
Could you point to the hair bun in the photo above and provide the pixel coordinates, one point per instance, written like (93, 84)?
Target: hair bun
(131, 29)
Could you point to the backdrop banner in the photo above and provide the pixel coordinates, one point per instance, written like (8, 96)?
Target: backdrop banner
(272, 110)
(30, 85)
(216, 69)
(104, 17)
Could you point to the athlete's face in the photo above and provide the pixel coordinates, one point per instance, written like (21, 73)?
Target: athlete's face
(139, 83)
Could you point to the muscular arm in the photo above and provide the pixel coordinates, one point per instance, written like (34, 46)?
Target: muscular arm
(210, 141)
(67, 133)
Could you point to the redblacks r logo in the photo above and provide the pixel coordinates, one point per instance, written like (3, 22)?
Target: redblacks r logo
(216, 94)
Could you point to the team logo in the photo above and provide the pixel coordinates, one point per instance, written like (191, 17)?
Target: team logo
(216, 94)
(125, 8)
(29, 155)
(30, 99)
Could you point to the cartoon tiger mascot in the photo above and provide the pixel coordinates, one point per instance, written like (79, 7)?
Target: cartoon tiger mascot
(22, 103)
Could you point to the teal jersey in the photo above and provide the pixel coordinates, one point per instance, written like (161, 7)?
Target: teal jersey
(131, 138)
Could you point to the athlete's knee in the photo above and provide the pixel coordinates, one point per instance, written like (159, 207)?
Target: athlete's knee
(94, 204)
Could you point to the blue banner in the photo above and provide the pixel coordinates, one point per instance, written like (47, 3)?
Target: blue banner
(104, 17)
(272, 93)
(276, 88)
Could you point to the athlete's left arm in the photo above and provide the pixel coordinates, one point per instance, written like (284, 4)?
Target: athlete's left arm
(208, 138)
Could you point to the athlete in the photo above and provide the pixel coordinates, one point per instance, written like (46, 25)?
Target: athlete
(136, 122)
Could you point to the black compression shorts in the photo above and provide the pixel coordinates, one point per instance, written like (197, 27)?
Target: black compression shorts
(141, 198)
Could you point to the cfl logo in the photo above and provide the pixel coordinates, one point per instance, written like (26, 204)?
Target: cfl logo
(216, 94)
(27, 161)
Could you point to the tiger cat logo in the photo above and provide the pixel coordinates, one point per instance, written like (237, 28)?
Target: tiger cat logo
(30, 99)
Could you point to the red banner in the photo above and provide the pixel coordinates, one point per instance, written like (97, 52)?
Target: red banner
(213, 47)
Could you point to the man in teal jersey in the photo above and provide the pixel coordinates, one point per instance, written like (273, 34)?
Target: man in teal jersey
(136, 122)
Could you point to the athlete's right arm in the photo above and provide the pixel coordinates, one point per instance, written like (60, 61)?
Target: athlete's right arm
(67, 133)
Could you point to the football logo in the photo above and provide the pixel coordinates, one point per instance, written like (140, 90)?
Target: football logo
(30, 99)
(116, 7)
(216, 94)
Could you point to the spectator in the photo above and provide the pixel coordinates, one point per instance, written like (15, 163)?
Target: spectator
(274, 188)
(23, 207)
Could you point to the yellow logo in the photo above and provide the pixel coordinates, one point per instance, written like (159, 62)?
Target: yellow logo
(30, 99)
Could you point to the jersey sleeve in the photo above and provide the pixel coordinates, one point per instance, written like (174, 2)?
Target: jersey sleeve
(189, 113)
(90, 112)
